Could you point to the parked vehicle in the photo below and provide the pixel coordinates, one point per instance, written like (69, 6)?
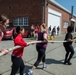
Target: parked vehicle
(8, 33)
(27, 34)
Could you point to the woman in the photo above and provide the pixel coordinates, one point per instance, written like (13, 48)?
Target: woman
(16, 57)
(4, 21)
(68, 45)
(41, 47)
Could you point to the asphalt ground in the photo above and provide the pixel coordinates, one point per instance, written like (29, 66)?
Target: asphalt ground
(54, 59)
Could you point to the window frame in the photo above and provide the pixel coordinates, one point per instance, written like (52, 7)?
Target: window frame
(66, 24)
(17, 21)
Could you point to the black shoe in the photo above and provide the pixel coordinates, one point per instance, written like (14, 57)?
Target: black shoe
(69, 63)
(64, 62)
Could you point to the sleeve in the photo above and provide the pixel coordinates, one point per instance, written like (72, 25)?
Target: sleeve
(69, 36)
(45, 32)
(19, 41)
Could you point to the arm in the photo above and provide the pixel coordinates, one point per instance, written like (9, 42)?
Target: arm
(45, 37)
(1, 35)
(69, 38)
(20, 42)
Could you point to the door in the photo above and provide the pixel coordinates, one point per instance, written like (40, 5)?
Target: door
(54, 19)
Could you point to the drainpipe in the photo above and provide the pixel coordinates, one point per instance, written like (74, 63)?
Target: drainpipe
(71, 14)
(44, 10)
(72, 8)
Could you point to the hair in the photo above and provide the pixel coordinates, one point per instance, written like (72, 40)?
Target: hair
(70, 29)
(43, 26)
(17, 31)
(3, 18)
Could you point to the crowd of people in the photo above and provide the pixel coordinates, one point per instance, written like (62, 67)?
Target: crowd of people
(41, 31)
(54, 31)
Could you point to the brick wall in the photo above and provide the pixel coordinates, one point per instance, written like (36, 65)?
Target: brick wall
(33, 9)
(65, 15)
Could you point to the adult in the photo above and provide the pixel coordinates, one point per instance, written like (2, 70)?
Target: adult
(41, 48)
(68, 45)
(16, 57)
(53, 32)
(32, 30)
(58, 29)
(3, 24)
(4, 21)
(49, 29)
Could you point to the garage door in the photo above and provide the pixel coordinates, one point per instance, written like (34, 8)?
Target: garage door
(54, 18)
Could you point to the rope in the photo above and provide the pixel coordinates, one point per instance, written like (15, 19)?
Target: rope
(5, 51)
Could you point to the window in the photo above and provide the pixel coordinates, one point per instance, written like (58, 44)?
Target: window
(65, 24)
(22, 21)
(16, 21)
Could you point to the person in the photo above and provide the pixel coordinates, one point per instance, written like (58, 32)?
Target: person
(36, 32)
(32, 30)
(68, 45)
(53, 31)
(58, 30)
(41, 48)
(16, 57)
(49, 29)
(4, 21)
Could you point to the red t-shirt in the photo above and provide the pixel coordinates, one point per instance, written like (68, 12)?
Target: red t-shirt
(19, 41)
(36, 30)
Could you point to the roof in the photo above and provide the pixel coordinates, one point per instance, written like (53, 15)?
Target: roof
(57, 4)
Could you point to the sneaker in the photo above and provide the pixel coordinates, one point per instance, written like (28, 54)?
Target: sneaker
(30, 73)
(24, 74)
(45, 67)
(69, 63)
(64, 62)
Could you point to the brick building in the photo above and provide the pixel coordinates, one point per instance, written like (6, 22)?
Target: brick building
(28, 12)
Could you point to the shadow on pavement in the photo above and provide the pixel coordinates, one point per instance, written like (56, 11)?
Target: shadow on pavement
(53, 61)
(74, 57)
(26, 69)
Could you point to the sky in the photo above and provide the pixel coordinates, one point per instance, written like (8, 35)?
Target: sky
(68, 4)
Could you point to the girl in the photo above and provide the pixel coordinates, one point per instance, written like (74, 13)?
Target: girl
(16, 57)
(68, 45)
(41, 48)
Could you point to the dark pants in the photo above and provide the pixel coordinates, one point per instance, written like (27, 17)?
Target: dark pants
(17, 63)
(41, 55)
(69, 52)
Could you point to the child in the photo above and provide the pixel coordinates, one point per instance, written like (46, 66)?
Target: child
(17, 62)
(68, 45)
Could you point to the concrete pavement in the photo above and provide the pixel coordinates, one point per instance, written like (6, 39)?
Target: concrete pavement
(54, 58)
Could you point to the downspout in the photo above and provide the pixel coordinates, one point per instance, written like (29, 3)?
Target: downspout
(44, 11)
(71, 14)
